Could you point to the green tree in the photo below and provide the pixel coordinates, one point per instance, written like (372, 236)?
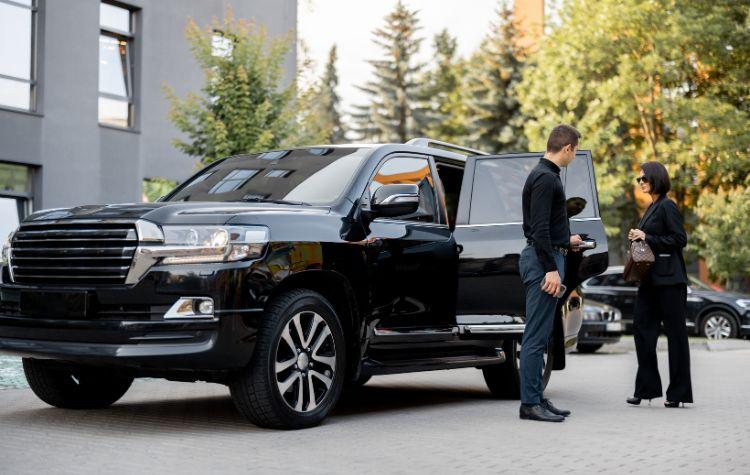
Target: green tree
(647, 80)
(495, 70)
(392, 114)
(443, 92)
(242, 106)
(319, 109)
(155, 188)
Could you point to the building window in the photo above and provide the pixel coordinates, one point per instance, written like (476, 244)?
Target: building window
(15, 196)
(116, 66)
(18, 54)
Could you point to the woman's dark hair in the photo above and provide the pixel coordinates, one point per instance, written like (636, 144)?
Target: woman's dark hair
(657, 177)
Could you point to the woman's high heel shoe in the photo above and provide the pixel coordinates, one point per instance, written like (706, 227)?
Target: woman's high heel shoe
(673, 404)
(636, 401)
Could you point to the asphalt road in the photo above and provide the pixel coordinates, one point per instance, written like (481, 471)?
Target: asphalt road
(439, 422)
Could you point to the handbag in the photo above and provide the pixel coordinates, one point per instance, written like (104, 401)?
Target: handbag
(639, 262)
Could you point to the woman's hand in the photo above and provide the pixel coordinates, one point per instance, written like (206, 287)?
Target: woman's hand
(635, 234)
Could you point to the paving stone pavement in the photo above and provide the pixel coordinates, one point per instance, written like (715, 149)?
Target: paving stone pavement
(440, 422)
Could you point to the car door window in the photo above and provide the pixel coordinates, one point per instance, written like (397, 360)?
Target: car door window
(410, 170)
(498, 186)
(578, 184)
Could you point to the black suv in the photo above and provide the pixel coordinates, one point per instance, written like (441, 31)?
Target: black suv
(289, 275)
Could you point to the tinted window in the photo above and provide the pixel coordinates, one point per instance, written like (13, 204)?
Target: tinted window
(409, 170)
(578, 185)
(498, 184)
(296, 175)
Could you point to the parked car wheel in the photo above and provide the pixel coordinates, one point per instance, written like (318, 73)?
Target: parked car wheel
(296, 374)
(504, 380)
(588, 348)
(71, 386)
(718, 325)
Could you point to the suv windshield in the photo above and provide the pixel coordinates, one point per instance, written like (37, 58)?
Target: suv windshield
(315, 176)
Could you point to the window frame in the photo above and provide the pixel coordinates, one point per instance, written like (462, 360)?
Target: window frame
(33, 81)
(129, 37)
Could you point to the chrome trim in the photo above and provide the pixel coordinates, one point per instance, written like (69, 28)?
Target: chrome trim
(746, 327)
(387, 332)
(690, 324)
(513, 328)
(173, 312)
(11, 274)
(146, 231)
(519, 223)
(392, 198)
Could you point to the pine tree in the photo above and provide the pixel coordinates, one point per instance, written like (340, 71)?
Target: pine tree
(392, 114)
(496, 122)
(442, 92)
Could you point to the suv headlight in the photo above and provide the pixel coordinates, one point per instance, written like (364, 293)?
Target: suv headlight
(744, 303)
(200, 244)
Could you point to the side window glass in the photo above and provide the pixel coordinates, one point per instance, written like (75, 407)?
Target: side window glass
(578, 184)
(498, 185)
(410, 170)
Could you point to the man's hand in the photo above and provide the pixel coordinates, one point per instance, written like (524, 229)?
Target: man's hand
(551, 283)
(575, 241)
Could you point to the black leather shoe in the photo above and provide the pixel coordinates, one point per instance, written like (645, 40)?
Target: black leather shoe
(547, 404)
(537, 412)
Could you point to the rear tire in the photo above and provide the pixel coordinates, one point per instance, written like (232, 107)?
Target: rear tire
(504, 380)
(588, 347)
(71, 386)
(293, 380)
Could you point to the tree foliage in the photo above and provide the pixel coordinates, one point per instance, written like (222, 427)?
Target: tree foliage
(242, 106)
(319, 109)
(392, 114)
(443, 93)
(496, 123)
(644, 80)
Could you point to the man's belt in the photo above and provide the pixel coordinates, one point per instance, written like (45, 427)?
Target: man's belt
(560, 249)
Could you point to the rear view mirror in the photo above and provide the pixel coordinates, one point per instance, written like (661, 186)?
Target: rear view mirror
(574, 206)
(395, 200)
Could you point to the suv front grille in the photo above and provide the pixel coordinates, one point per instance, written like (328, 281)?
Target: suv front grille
(73, 253)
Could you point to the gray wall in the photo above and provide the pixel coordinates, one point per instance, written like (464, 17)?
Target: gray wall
(83, 162)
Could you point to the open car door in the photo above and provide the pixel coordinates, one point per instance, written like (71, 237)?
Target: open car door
(489, 233)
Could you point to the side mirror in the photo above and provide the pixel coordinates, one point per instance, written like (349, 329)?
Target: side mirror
(574, 206)
(395, 200)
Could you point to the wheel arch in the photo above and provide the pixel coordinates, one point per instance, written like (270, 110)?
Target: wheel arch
(713, 307)
(340, 292)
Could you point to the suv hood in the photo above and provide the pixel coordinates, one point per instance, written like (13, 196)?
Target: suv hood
(172, 213)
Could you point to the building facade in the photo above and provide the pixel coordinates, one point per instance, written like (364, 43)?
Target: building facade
(83, 114)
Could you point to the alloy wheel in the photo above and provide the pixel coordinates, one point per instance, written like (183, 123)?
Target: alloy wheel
(717, 327)
(305, 362)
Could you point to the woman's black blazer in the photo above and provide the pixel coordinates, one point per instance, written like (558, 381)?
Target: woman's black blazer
(665, 234)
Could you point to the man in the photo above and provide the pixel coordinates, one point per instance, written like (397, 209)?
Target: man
(542, 266)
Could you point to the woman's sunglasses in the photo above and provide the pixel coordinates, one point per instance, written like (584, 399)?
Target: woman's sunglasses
(641, 179)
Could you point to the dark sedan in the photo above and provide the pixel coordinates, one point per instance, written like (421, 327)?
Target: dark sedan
(710, 313)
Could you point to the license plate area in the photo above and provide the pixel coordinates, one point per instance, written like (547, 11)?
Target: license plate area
(54, 305)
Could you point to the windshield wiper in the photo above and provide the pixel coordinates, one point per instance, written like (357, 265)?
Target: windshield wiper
(256, 199)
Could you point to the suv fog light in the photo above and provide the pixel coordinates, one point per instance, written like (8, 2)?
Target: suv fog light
(191, 307)
(206, 307)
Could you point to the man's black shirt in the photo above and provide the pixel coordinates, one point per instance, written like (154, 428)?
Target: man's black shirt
(545, 219)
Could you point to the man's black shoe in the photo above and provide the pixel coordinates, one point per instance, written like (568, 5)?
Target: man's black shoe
(547, 404)
(537, 412)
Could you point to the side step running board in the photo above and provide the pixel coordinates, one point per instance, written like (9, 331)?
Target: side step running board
(427, 364)
(492, 328)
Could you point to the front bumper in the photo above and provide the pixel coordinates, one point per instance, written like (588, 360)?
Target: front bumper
(595, 332)
(745, 324)
(125, 326)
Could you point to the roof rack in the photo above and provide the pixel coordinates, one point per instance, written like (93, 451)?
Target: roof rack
(432, 143)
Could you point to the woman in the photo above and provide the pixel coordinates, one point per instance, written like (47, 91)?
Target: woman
(662, 295)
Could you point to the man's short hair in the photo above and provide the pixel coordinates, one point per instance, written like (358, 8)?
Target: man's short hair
(657, 176)
(561, 136)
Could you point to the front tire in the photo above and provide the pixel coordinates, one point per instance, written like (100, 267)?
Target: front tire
(719, 325)
(588, 347)
(71, 386)
(296, 374)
